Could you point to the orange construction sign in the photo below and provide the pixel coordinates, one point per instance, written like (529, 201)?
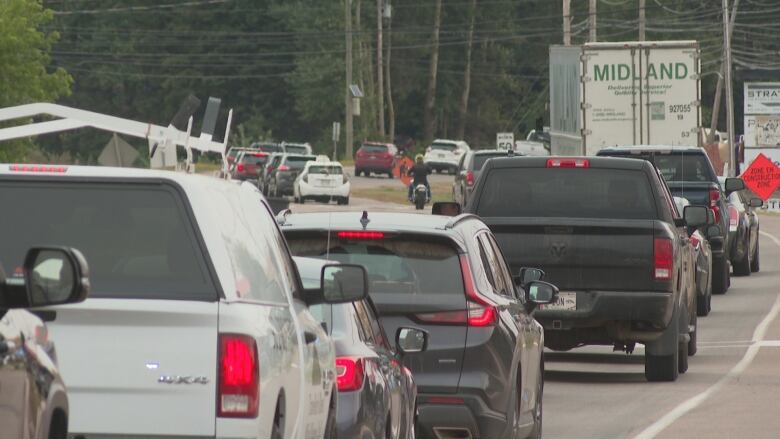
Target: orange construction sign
(762, 177)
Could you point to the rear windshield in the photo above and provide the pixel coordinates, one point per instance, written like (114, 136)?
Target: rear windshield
(137, 239)
(298, 162)
(324, 169)
(295, 149)
(252, 159)
(676, 166)
(568, 193)
(444, 146)
(480, 159)
(395, 265)
(374, 149)
(270, 148)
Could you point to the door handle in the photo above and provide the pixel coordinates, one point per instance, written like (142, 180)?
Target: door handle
(309, 337)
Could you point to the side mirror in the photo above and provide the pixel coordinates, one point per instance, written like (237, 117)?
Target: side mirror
(411, 340)
(446, 208)
(695, 216)
(733, 184)
(528, 275)
(343, 283)
(756, 202)
(51, 276)
(540, 293)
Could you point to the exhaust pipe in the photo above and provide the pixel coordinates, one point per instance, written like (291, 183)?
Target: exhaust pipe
(452, 433)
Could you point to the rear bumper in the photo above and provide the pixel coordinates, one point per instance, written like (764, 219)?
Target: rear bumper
(441, 164)
(473, 416)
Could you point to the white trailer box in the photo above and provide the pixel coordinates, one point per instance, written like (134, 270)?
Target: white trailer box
(619, 94)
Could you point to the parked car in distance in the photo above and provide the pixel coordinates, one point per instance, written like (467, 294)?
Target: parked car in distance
(297, 148)
(267, 147)
(689, 173)
(376, 393)
(702, 256)
(282, 174)
(248, 165)
(444, 155)
(481, 374)
(232, 153)
(375, 157)
(743, 231)
(607, 232)
(33, 397)
(469, 168)
(195, 303)
(322, 180)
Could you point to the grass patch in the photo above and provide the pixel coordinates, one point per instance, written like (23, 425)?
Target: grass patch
(207, 167)
(397, 194)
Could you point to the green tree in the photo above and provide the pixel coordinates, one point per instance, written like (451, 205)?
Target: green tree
(24, 64)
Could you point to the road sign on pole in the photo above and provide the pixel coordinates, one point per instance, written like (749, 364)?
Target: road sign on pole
(505, 140)
(336, 135)
(762, 177)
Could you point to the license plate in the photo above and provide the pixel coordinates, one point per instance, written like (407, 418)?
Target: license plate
(567, 301)
(441, 156)
(326, 183)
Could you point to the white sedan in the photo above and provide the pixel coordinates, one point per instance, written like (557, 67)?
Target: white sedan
(322, 180)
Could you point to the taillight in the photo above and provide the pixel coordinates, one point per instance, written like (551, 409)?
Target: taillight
(239, 389)
(349, 374)
(480, 312)
(663, 257)
(568, 163)
(39, 168)
(470, 178)
(733, 218)
(259, 154)
(240, 167)
(360, 235)
(714, 198)
(283, 168)
(695, 240)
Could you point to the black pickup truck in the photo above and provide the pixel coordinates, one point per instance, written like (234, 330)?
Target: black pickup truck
(689, 174)
(606, 231)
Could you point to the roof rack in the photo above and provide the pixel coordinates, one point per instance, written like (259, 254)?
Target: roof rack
(458, 219)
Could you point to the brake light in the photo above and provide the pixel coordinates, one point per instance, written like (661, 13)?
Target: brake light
(283, 168)
(240, 167)
(714, 198)
(39, 168)
(470, 178)
(568, 163)
(480, 312)
(445, 400)
(360, 235)
(663, 257)
(239, 388)
(733, 218)
(695, 240)
(443, 318)
(349, 373)
(259, 154)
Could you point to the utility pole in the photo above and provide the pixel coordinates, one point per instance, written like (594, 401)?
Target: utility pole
(642, 25)
(592, 20)
(347, 93)
(729, 88)
(719, 87)
(567, 22)
(380, 86)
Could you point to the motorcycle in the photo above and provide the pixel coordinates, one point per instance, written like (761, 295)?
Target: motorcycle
(420, 196)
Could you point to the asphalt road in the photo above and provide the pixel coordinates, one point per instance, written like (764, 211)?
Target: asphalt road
(729, 391)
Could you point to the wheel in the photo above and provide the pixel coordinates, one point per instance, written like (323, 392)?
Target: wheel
(342, 201)
(419, 204)
(720, 276)
(277, 429)
(664, 365)
(703, 303)
(754, 262)
(742, 266)
(692, 346)
(388, 428)
(330, 425)
(536, 433)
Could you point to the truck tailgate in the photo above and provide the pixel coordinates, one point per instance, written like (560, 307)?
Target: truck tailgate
(580, 254)
(113, 353)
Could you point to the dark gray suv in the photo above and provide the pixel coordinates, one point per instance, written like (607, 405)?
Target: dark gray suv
(481, 374)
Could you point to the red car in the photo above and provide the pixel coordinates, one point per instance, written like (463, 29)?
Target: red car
(375, 157)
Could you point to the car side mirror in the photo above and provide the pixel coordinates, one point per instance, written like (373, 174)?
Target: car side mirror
(733, 184)
(756, 202)
(695, 216)
(343, 283)
(539, 293)
(528, 275)
(50, 276)
(411, 340)
(446, 208)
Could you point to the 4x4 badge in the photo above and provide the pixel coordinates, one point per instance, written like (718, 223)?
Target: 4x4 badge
(171, 379)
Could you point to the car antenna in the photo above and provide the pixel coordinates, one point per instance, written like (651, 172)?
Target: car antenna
(327, 248)
(364, 219)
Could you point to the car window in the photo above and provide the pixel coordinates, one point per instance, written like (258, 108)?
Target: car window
(138, 238)
(253, 159)
(481, 159)
(298, 162)
(325, 169)
(568, 193)
(374, 149)
(499, 280)
(402, 265)
(684, 167)
(486, 264)
(270, 148)
(296, 149)
(501, 269)
(365, 323)
(461, 161)
(376, 328)
(276, 161)
(444, 147)
(668, 197)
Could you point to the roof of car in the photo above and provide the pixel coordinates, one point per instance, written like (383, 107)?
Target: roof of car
(409, 222)
(654, 148)
(367, 142)
(541, 162)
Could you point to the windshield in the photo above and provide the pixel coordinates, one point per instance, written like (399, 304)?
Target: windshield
(137, 239)
(296, 149)
(374, 149)
(269, 148)
(481, 159)
(298, 162)
(569, 193)
(254, 159)
(400, 265)
(444, 147)
(325, 169)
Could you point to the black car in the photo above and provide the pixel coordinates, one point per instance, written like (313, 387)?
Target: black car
(689, 174)
(743, 232)
(482, 372)
(469, 169)
(376, 393)
(282, 172)
(33, 398)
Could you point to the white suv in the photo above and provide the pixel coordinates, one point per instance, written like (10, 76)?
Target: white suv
(197, 324)
(445, 154)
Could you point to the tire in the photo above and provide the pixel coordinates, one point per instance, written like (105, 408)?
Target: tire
(665, 367)
(692, 344)
(536, 432)
(703, 303)
(388, 428)
(419, 204)
(277, 429)
(742, 266)
(755, 266)
(720, 276)
(343, 201)
(357, 172)
(330, 425)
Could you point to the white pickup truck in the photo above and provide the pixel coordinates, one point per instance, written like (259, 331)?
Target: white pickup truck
(197, 325)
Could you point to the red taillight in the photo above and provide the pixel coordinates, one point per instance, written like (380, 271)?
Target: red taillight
(733, 218)
(568, 163)
(283, 168)
(360, 235)
(714, 198)
(695, 240)
(662, 254)
(238, 391)
(259, 154)
(349, 374)
(39, 168)
(470, 178)
(480, 312)
(444, 400)
(240, 167)
(443, 318)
